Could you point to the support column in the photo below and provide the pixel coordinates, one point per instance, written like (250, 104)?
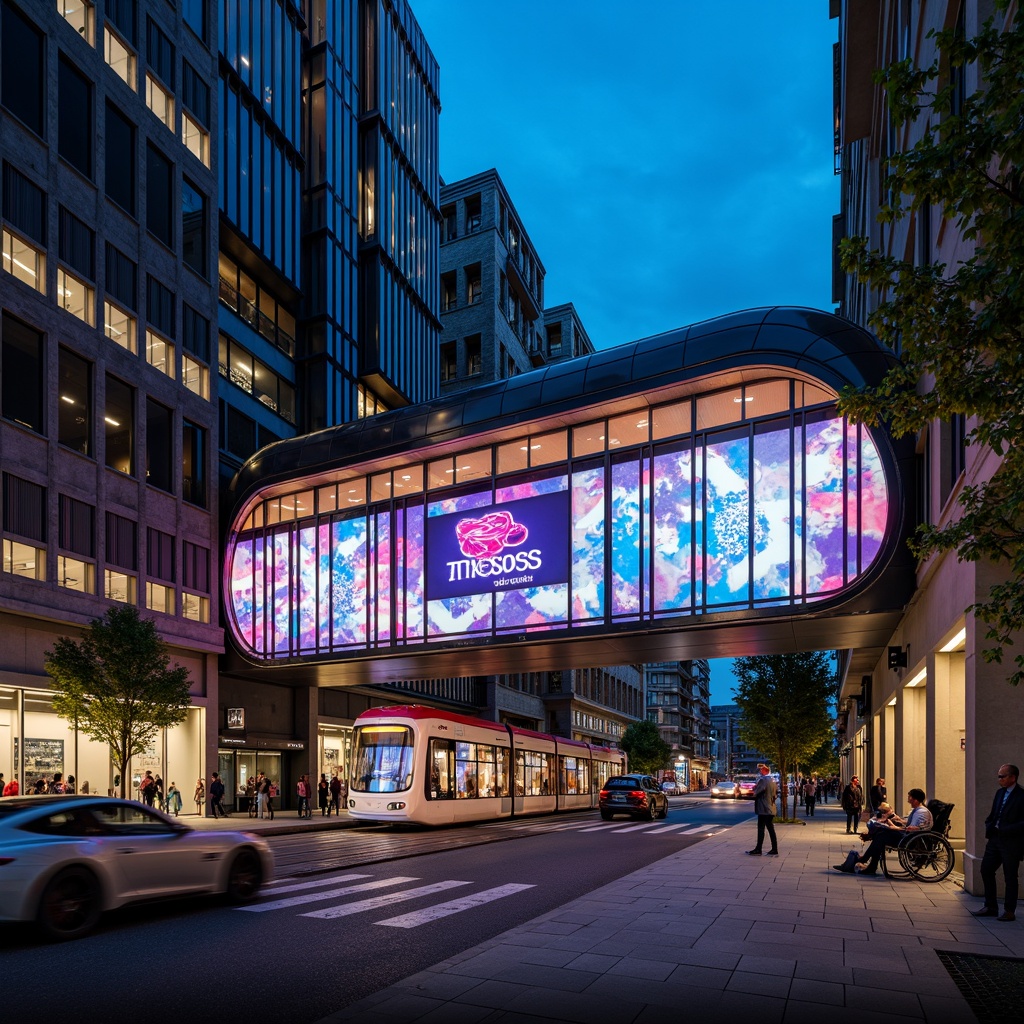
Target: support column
(945, 753)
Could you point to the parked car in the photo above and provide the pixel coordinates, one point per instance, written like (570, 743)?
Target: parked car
(746, 784)
(639, 796)
(725, 789)
(66, 859)
(668, 786)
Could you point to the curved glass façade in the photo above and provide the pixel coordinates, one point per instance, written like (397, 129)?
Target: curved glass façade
(757, 496)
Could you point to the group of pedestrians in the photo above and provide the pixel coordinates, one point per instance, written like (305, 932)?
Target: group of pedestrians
(55, 784)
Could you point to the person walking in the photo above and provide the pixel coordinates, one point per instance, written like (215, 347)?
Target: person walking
(853, 802)
(266, 794)
(173, 800)
(217, 795)
(158, 792)
(335, 795)
(877, 795)
(147, 788)
(765, 795)
(1004, 832)
(323, 792)
(302, 791)
(200, 795)
(810, 794)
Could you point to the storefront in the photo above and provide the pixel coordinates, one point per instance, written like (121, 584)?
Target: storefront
(241, 758)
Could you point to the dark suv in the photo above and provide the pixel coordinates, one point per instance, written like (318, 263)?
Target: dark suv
(639, 796)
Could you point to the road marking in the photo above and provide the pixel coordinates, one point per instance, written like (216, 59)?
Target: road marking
(697, 828)
(636, 828)
(429, 914)
(383, 901)
(273, 888)
(315, 897)
(603, 826)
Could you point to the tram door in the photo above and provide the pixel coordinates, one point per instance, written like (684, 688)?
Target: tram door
(442, 770)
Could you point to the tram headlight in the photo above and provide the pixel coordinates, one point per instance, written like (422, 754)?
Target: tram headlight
(398, 805)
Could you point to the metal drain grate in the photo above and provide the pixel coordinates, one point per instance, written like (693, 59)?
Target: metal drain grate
(992, 985)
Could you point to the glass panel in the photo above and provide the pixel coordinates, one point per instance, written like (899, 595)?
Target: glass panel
(160, 598)
(727, 515)
(628, 430)
(382, 761)
(195, 607)
(74, 574)
(473, 466)
(120, 58)
(75, 297)
(119, 586)
(767, 399)
(24, 560)
(588, 439)
(24, 261)
(673, 420)
(160, 353)
(513, 457)
(195, 376)
(160, 101)
(408, 480)
(196, 139)
(119, 326)
(547, 448)
(719, 409)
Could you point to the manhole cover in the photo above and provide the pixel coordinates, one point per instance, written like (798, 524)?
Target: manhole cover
(992, 985)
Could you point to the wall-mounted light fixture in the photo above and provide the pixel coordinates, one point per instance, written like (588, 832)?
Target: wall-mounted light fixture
(897, 658)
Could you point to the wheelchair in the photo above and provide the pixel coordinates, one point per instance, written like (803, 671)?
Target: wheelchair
(923, 856)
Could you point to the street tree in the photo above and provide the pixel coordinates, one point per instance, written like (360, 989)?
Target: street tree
(785, 702)
(116, 684)
(959, 329)
(646, 750)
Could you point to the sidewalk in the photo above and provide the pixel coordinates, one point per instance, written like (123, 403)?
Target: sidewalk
(709, 933)
(284, 822)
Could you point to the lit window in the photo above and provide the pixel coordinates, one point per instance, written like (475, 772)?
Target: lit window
(196, 139)
(119, 326)
(75, 297)
(79, 15)
(24, 560)
(160, 598)
(120, 58)
(24, 261)
(195, 376)
(160, 101)
(119, 586)
(160, 353)
(195, 607)
(74, 574)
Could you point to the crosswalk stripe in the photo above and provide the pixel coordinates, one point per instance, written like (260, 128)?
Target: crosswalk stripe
(382, 901)
(697, 828)
(478, 899)
(273, 888)
(635, 828)
(602, 827)
(316, 897)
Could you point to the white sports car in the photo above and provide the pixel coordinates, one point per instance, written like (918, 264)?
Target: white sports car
(66, 859)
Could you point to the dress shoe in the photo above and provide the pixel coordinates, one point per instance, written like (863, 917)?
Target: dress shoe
(753, 853)
(772, 853)
(985, 912)
(843, 868)
(1007, 915)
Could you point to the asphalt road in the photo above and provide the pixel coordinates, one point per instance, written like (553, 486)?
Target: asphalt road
(351, 912)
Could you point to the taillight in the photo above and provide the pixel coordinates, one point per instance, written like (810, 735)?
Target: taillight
(603, 794)
(639, 794)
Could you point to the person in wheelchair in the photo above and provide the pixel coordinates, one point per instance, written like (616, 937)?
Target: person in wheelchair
(890, 832)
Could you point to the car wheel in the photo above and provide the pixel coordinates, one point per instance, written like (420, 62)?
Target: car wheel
(651, 811)
(69, 906)
(245, 876)
(664, 811)
(606, 815)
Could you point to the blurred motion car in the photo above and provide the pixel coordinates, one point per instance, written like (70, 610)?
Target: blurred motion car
(668, 786)
(639, 796)
(64, 860)
(725, 789)
(746, 785)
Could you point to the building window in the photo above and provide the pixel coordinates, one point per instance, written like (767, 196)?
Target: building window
(449, 362)
(195, 333)
(76, 574)
(160, 52)
(74, 117)
(474, 358)
(159, 598)
(160, 353)
(160, 101)
(74, 402)
(196, 139)
(119, 586)
(193, 464)
(159, 177)
(159, 306)
(122, 542)
(24, 204)
(119, 327)
(77, 535)
(24, 261)
(119, 421)
(449, 224)
(119, 157)
(158, 445)
(193, 13)
(24, 560)
(79, 15)
(24, 514)
(474, 286)
(195, 607)
(22, 68)
(193, 227)
(119, 57)
(195, 376)
(23, 371)
(75, 296)
(448, 293)
(76, 244)
(554, 333)
(472, 214)
(121, 278)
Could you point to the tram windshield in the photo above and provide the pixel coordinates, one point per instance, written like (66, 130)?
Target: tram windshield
(382, 762)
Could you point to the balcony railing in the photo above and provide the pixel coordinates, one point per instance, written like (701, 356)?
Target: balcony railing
(260, 322)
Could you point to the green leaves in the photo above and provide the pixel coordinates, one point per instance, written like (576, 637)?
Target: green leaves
(646, 750)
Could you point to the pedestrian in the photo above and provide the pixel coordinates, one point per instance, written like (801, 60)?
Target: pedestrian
(69, 786)
(200, 796)
(342, 792)
(302, 792)
(323, 792)
(11, 789)
(1004, 832)
(158, 792)
(173, 800)
(147, 788)
(765, 796)
(56, 783)
(877, 795)
(265, 794)
(250, 796)
(889, 833)
(217, 795)
(810, 792)
(259, 794)
(335, 795)
(853, 802)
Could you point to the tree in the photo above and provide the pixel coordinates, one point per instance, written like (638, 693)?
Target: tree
(959, 330)
(785, 701)
(646, 750)
(116, 686)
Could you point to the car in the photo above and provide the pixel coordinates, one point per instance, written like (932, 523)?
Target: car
(639, 796)
(746, 784)
(726, 788)
(668, 786)
(64, 860)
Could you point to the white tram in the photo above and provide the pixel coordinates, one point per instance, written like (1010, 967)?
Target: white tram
(417, 764)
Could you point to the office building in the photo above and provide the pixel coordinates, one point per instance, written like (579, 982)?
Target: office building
(678, 703)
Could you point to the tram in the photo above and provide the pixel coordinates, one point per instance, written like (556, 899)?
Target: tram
(428, 767)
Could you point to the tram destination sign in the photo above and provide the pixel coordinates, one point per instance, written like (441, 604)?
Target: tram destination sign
(512, 546)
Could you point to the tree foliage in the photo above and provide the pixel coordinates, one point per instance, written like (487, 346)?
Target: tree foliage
(646, 750)
(115, 684)
(785, 702)
(960, 329)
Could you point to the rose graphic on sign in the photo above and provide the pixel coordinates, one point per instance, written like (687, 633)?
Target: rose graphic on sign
(487, 536)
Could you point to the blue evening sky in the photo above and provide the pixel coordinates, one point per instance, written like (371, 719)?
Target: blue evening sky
(670, 163)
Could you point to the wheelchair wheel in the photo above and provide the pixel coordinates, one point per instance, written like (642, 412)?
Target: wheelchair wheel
(928, 857)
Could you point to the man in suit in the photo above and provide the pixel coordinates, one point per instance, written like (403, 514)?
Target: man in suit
(877, 795)
(1004, 830)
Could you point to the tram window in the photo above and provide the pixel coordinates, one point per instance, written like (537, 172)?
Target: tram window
(533, 773)
(383, 759)
(442, 773)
